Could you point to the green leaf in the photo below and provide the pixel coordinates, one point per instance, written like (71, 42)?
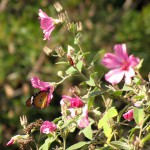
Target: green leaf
(90, 102)
(47, 144)
(132, 131)
(95, 92)
(138, 116)
(107, 129)
(71, 70)
(77, 146)
(77, 38)
(121, 113)
(97, 56)
(87, 132)
(127, 88)
(80, 65)
(117, 93)
(145, 139)
(91, 80)
(121, 145)
(112, 112)
(137, 80)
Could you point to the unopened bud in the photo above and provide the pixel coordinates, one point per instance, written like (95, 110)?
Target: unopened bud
(60, 73)
(23, 121)
(70, 50)
(71, 62)
(79, 26)
(59, 50)
(58, 7)
(47, 50)
(62, 17)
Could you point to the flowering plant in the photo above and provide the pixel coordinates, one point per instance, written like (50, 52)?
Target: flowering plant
(103, 128)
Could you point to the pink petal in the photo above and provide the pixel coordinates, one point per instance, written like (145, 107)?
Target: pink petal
(111, 61)
(47, 24)
(48, 33)
(128, 75)
(134, 61)
(129, 115)
(83, 123)
(114, 76)
(73, 112)
(10, 142)
(50, 95)
(37, 83)
(47, 127)
(42, 14)
(121, 52)
(75, 102)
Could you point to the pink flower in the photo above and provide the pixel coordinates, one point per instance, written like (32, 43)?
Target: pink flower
(128, 115)
(120, 64)
(47, 127)
(13, 140)
(74, 102)
(84, 122)
(47, 24)
(37, 83)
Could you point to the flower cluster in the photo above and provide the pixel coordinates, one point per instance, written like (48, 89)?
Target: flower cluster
(75, 109)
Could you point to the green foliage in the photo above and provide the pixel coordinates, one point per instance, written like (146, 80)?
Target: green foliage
(105, 24)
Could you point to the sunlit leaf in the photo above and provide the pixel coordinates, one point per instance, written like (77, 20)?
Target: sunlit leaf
(91, 80)
(77, 145)
(87, 132)
(71, 70)
(138, 116)
(80, 65)
(121, 145)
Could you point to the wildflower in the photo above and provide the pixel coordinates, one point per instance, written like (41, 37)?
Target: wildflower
(74, 102)
(47, 24)
(13, 140)
(120, 64)
(37, 83)
(128, 115)
(47, 127)
(84, 122)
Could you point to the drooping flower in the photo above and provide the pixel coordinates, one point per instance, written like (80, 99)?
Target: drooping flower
(47, 24)
(13, 140)
(48, 127)
(128, 115)
(84, 121)
(75, 102)
(121, 65)
(37, 83)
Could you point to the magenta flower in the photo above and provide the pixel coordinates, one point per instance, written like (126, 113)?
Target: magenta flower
(121, 65)
(47, 24)
(84, 122)
(43, 86)
(128, 115)
(48, 127)
(74, 102)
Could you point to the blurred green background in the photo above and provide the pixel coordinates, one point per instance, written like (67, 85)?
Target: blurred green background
(105, 23)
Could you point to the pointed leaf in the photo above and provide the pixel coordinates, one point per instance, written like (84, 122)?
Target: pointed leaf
(80, 65)
(71, 70)
(138, 116)
(87, 132)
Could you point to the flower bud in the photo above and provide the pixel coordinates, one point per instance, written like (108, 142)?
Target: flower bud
(58, 7)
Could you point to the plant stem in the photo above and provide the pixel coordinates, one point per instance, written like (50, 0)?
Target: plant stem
(64, 143)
